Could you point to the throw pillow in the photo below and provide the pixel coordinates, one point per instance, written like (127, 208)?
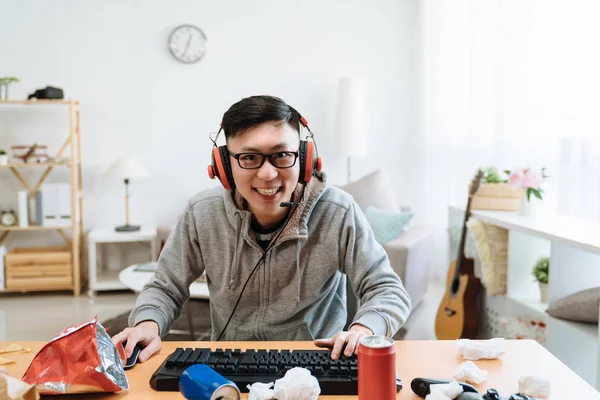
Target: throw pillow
(387, 225)
(579, 307)
(373, 190)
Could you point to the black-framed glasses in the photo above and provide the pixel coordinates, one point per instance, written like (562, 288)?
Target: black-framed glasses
(280, 159)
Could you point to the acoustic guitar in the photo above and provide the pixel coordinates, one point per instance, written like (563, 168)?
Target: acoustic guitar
(457, 314)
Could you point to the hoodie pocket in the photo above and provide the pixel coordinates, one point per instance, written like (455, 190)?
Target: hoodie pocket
(297, 332)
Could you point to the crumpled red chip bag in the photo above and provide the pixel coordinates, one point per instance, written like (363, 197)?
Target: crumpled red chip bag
(81, 359)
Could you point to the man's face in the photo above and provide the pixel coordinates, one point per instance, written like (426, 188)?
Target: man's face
(264, 188)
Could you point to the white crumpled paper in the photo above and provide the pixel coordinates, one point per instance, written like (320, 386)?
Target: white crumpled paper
(478, 349)
(297, 384)
(534, 386)
(469, 372)
(260, 391)
(444, 391)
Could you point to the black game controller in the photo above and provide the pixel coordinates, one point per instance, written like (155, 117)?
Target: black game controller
(492, 394)
(421, 387)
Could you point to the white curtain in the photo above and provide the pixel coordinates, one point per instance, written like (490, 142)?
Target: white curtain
(509, 83)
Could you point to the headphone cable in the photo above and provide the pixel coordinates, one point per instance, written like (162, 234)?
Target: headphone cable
(262, 258)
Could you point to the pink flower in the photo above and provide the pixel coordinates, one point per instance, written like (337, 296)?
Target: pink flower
(532, 179)
(515, 180)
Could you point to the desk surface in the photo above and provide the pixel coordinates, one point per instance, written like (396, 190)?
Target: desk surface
(434, 359)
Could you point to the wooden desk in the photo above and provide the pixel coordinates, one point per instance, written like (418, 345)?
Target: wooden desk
(435, 359)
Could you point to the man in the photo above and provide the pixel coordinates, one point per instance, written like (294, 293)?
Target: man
(274, 271)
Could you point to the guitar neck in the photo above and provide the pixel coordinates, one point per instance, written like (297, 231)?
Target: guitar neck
(463, 239)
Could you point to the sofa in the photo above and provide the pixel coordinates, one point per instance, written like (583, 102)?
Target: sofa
(410, 252)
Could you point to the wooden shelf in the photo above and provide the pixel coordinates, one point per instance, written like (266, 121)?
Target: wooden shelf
(34, 228)
(36, 165)
(38, 102)
(48, 289)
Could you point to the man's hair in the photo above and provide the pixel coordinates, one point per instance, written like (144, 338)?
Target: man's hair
(255, 110)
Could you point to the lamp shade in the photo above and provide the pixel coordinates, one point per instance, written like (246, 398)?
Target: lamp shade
(127, 168)
(350, 123)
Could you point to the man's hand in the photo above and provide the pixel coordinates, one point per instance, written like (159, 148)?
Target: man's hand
(350, 338)
(145, 333)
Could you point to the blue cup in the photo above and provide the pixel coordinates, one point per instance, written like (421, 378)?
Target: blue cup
(201, 382)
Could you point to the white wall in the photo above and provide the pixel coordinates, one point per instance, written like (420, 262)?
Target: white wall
(136, 100)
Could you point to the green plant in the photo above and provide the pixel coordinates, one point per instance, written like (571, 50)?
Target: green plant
(491, 175)
(8, 80)
(2, 152)
(541, 269)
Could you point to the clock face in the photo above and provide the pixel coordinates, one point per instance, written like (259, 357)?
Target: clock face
(8, 218)
(187, 44)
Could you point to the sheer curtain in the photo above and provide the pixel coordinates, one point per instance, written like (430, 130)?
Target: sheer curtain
(509, 83)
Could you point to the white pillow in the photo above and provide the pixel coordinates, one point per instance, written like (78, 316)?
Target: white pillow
(373, 190)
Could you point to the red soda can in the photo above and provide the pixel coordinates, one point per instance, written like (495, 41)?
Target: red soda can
(376, 368)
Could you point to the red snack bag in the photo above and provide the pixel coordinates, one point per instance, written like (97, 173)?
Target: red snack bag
(81, 359)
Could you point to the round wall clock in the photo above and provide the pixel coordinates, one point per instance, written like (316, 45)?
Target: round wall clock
(187, 44)
(8, 218)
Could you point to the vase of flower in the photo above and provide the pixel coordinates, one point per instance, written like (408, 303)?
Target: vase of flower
(543, 292)
(529, 181)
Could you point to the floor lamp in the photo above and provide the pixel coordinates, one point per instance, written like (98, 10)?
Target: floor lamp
(351, 129)
(127, 169)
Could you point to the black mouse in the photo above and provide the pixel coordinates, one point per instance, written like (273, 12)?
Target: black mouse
(132, 360)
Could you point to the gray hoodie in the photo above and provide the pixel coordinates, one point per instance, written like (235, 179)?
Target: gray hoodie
(298, 292)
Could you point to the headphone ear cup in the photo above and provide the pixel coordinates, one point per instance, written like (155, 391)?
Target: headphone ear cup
(306, 153)
(221, 167)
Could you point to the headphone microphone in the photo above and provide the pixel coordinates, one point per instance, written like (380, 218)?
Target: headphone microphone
(289, 204)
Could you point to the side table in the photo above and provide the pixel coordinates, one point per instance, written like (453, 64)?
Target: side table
(105, 280)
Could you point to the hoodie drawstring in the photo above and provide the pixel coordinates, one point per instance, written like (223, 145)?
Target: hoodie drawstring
(298, 272)
(235, 264)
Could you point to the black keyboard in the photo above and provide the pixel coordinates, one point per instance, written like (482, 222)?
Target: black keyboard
(339, 377)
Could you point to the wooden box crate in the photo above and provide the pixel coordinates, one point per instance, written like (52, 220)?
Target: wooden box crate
(496, 196)
(38, 268)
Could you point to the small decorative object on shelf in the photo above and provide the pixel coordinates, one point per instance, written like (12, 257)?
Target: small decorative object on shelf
(47, 93)
(4, 84)
(35, 151)
(3, 157)
(495, 193)
(540, 271)
(8, 218)
(530, 180)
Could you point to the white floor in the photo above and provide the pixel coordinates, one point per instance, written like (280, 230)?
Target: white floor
(42, 316)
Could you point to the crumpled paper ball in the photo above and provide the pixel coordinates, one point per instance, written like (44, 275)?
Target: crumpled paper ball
(297, 384)
(469, 372)
(260, 391)
(451, 390)
(534, 386)
(478, 349)
(437, 396)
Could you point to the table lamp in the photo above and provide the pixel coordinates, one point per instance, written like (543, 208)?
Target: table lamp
(350, 120)
(126, 169)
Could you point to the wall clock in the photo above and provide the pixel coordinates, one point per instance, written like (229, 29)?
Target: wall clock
(187, 44)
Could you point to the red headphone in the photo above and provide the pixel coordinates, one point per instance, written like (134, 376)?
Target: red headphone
(310, 162)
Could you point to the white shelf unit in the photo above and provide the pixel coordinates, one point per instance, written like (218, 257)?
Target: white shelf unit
(103, 280)
(574, 249)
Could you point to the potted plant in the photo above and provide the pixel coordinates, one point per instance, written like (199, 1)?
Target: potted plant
(529, 180)
(540, 271)
(4, 84)
(494, 193)
(3, 157)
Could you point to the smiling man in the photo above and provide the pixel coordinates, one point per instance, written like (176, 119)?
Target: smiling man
(277, 245)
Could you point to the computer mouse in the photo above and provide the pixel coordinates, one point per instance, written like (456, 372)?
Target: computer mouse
(132, 360)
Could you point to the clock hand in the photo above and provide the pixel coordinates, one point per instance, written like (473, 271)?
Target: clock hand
(187, 46)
